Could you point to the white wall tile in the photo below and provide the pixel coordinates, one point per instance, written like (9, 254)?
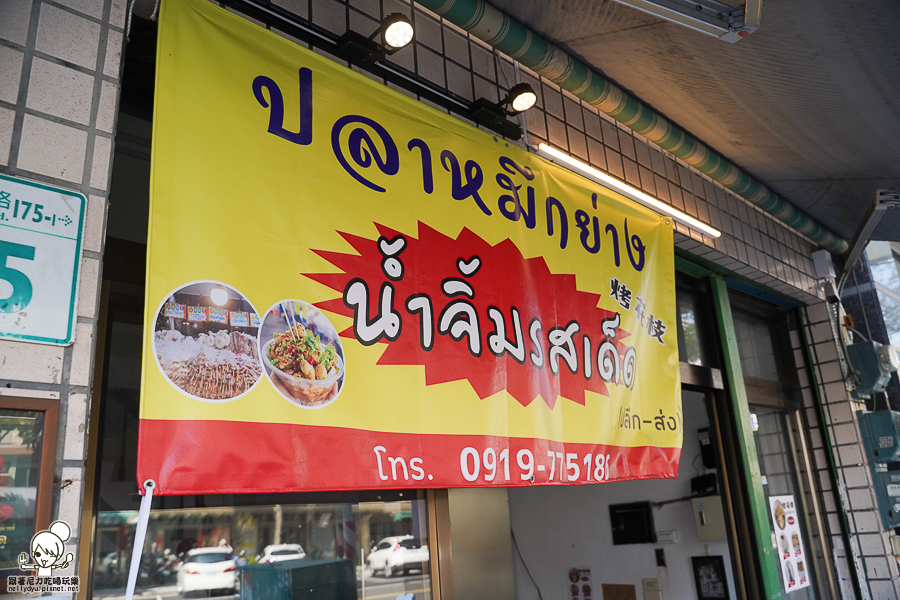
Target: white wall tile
(76, 424)
(70, 498)
(16, 17)
(52, 149)
(87, 287)
(113, 60)
(93, 8)
(7, 119)
(10, 73)
(106, 111)
(94, 228)
(23, 361)
(29, 393)
(82, 352)
(67, 36)
(60, 91)
(118, 12)
(100, 163)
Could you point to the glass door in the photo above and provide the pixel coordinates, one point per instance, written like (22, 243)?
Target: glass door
(792, 512)
(799, 550)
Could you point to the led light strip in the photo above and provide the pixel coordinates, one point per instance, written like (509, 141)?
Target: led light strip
(551, 153)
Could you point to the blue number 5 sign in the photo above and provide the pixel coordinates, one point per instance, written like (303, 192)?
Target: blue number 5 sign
(21, 285)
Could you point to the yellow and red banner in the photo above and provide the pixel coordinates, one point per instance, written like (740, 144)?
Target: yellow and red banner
(437, 307)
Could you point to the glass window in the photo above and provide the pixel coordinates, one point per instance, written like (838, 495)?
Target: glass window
(694, 330)
(348, 545)
(757, 346)
(209, 558)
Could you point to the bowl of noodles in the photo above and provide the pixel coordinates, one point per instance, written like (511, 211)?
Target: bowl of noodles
(304, 361)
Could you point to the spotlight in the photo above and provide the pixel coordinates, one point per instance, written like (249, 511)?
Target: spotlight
(520, 98)
(218, 296)
(396, 32)
(493, 114)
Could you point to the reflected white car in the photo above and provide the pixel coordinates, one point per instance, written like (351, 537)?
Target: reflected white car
(397, 554)
(280, 552)
(207, 569)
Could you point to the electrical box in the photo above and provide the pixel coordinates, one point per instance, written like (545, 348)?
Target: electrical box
(887, 489)
(709, 518)
(874, 364)
(881, 435)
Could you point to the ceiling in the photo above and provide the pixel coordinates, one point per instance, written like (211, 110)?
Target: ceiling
(808, 103)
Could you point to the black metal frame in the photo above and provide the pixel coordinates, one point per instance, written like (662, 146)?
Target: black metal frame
(717, 562)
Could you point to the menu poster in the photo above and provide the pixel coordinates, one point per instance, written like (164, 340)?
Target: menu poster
(254, 320)
(197, 313)
(240, 319)
(218, 315)
(791, 553)
(175, 310)
(579, 584)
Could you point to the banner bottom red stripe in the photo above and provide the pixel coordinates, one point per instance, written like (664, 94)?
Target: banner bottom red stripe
(228, 457)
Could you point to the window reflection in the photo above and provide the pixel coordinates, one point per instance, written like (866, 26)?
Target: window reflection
(339, 550)
(757, 346)
(693, 328)
(20, 459)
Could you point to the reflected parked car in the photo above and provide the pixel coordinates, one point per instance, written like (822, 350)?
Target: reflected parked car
(207, 569)
(280, 552)
(397, 554)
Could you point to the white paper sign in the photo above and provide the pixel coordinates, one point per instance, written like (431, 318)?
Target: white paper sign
(791, 551)
(578, 584)
(40, 253)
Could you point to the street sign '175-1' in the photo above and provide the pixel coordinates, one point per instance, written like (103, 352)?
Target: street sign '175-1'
(40, 252)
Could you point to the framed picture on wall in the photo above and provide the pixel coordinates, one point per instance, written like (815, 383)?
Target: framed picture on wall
(710, 577)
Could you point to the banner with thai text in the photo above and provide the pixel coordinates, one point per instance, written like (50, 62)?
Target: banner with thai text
(412, 302)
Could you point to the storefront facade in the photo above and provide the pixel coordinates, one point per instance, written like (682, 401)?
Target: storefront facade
(753, 331)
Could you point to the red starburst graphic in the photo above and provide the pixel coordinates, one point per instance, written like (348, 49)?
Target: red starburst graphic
(506, 281)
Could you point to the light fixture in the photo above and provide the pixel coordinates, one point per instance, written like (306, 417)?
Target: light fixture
(626, 190)
(396, 32)
(494, 115)
(520, 98)
(218, 296)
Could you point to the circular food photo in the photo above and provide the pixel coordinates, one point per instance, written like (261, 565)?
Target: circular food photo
(302, 354)
(204, 341)
(779, 515)
(784, 544)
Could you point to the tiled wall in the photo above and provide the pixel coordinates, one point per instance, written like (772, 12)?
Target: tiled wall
(851, 491)
(60, 64)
